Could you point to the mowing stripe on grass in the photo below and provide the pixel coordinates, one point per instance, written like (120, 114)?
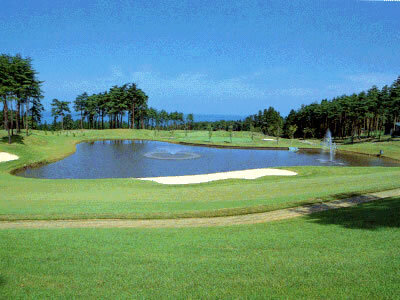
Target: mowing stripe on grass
(202, 222)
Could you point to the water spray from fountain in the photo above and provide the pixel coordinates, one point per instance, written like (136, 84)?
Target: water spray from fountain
(328, 144)
(171, 153)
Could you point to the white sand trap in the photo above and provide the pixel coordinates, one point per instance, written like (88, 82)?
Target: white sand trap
(268, 140)
(245, 174)
(4, 156)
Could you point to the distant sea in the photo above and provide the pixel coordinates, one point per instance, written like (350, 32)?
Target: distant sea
(197, 117)
(213, 118)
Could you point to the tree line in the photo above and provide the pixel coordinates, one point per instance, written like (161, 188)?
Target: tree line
(268, 121)
(123, 106)
(372, 112)
(368, 113)
(20, 94)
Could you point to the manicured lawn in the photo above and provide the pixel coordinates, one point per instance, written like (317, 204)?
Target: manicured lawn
(390, 148)
(26, 198)
(347, 253)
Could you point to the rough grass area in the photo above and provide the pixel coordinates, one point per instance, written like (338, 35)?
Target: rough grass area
(346, 253)
(27, 198)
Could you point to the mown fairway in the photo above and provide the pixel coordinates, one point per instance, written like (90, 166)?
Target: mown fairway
(348, 253)
(25, 198)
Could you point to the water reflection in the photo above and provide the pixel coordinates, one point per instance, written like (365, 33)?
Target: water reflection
(128, 158)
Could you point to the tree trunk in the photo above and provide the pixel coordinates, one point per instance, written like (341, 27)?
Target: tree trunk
(365, 124)
(18, 116)
(380, 125)
(62, 122)
(22, 116)
(133, 116)
(12, 120)
(31, 119)
(5, 109)
(26, 117)
(81, 121)
(4, 117)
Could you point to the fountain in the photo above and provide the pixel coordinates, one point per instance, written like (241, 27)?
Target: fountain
(328, 144)
(171, 153)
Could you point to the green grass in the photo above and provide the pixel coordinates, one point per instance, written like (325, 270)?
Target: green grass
(27, 198)
(390, 148)
(242, 139)
(346, 253)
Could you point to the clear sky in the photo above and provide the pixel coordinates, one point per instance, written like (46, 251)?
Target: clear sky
(207, 57)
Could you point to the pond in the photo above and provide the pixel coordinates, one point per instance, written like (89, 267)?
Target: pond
(128, 158)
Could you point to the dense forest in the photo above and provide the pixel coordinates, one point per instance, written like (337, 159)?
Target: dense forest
(369, 113)
(373, 112)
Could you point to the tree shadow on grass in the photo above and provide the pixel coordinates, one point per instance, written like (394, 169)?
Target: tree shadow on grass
(371, 215)
(15, 139)
(2, 281)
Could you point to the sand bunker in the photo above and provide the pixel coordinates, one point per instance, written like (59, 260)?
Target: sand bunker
(245, 174)
(4, 156)
(268, 140)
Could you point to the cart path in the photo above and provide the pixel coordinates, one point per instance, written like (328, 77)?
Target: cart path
(281, 214)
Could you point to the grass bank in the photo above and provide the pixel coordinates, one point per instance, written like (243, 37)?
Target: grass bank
(390, 148)
(346, 253)
(27, 198)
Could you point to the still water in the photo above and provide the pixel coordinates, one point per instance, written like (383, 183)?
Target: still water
(124, 158)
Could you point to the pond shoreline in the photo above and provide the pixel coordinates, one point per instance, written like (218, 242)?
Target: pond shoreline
(42, 163)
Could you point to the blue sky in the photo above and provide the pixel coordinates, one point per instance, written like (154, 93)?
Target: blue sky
(207, 57)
